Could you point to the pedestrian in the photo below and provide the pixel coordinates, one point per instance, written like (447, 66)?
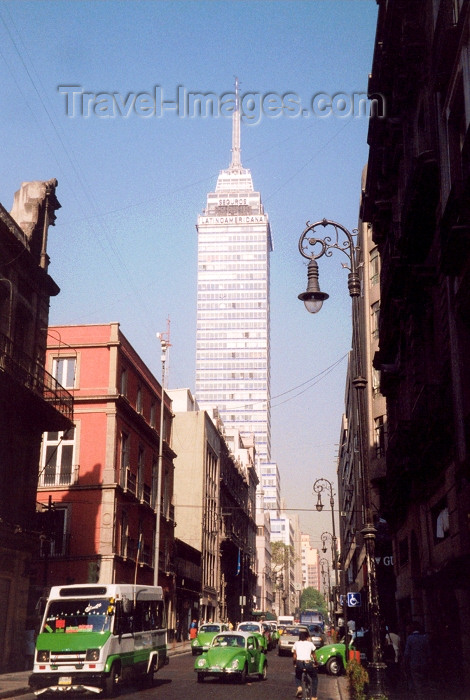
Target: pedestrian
(304, 655)
(29, 644)
(391, 656)
(193, 629)
(417, 661)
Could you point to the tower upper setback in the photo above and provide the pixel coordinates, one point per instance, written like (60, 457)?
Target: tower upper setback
(233, 324)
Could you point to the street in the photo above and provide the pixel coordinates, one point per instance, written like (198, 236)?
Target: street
(178, 680)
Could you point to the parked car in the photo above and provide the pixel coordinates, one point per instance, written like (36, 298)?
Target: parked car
(257, 628)
(317, 635)
(288, 637)
(235, 655)
(205, 635)
(332, 658)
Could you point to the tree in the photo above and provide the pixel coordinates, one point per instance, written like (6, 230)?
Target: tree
(282, 559)
(311, 598)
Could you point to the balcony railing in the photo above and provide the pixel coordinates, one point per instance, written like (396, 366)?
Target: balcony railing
(56, 545)
(131, 482)
(32, 375)
(59, 476)
(146, 495)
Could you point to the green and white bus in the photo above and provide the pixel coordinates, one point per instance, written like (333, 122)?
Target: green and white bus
(94, 637)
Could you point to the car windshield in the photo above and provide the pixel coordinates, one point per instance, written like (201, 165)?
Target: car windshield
(209, 628)
(72, 616)
(249, 627)
(228, 640)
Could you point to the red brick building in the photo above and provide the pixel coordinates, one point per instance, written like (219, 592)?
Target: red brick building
(98, 481)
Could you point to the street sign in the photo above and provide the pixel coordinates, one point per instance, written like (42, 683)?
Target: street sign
(354, 600)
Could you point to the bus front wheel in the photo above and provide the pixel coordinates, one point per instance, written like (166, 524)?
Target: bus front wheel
(111, 682)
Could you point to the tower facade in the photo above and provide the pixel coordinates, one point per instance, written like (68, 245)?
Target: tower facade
(233, 310)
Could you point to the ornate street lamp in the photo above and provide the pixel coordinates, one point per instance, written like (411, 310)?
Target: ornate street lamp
(312, 248)
(325, 572)
(326, 485)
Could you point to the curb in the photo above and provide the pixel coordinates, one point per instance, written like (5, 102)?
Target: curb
(343, 691)
(14, 692)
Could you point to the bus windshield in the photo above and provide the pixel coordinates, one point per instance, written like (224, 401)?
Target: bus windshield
(70, 616)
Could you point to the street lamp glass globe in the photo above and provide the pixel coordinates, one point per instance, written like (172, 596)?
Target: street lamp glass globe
(313, 306)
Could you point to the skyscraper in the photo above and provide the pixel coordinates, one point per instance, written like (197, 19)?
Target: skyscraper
(233, 338)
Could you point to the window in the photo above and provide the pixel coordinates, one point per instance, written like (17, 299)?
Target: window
(57, 462)
(63, 369)
(123, 534)
(153, 415)
(375, 380)
(379, 436)
(374, 266)
(125, 452)
(440, 520)
(140, 472)
(374, 319)
(166, 495)
(139, 402)
(54, 531)
(154, 482)
(124, 381)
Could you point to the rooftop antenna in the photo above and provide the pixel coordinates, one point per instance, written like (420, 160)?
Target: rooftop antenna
(165, 344)
(236, 163)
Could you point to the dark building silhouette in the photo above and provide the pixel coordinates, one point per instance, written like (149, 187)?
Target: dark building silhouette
(31, 400)
(417, 199)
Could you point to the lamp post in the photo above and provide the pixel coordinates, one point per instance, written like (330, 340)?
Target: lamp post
(325, 572)
(158, 506)
(312, 248)
(320, 485)
(325, 536)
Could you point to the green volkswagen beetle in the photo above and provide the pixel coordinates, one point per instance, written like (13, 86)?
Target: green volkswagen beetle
(236, 655)
(332, 658)
(205, 636)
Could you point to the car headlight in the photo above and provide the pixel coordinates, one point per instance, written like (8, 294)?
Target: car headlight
(92, 655)
(201, 662)
(43, 656)
(235, 664)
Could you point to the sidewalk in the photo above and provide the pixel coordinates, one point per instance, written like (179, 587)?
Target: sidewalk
(14, 684)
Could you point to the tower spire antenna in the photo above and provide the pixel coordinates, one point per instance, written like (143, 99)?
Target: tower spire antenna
(236, 163)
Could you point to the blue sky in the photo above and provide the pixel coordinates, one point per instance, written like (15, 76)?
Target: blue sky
(133, 179)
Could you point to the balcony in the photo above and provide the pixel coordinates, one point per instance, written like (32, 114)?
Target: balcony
(28, 374)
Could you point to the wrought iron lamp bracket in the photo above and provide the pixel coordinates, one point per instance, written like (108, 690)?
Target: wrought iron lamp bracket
(313, 248)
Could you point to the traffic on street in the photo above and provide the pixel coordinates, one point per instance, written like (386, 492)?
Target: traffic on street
(178, 680)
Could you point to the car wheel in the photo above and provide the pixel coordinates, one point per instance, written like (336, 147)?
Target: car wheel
(200, 678)
(334, 666)
(242, 678)
(263, 675)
